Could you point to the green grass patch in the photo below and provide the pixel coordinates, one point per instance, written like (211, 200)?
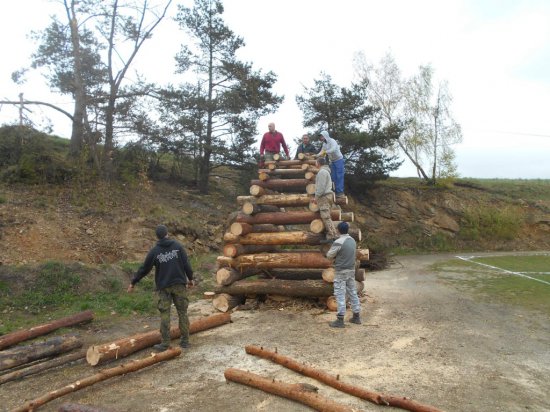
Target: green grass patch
(488, 222)
(496, 286)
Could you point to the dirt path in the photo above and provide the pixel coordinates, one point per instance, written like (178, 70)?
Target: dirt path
(421, 338)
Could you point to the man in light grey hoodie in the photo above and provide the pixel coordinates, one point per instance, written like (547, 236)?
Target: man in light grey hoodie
(331, 149)
(343, 251)
(323, 196)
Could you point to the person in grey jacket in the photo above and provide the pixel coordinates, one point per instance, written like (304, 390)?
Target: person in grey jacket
(331, 149)
(323, 196)
(173, 275)
(343, 251)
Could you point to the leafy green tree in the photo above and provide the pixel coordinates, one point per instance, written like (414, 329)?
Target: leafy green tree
(356, 126)
(429, 131)
(215, 115)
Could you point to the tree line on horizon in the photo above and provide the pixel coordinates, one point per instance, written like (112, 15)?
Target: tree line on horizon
(209, 119)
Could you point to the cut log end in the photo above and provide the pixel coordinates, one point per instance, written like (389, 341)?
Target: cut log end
(317, 226)
(93, 356)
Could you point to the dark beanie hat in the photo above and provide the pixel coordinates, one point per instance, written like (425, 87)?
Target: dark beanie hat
(161, 231)
(343, 227)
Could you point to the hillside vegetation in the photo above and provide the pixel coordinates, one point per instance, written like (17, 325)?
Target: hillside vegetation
(62, 225)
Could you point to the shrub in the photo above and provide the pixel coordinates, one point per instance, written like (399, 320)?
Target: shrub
(489, 222)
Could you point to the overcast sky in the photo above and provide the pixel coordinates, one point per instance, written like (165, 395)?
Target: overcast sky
(494, 54)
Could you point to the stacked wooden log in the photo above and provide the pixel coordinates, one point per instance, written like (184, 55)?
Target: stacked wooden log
(277, 235)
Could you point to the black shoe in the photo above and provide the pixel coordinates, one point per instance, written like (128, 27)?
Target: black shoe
(338, 323)
(161, 347)
(184, 345)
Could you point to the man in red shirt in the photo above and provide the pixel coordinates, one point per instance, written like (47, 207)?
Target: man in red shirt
(271, 144)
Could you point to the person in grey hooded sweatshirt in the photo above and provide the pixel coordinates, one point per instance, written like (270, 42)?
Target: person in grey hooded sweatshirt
(323, 196)
(331, 149)
(343, 251)
(173, 275)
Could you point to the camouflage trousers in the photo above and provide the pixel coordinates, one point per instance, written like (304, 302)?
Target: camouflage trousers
(344, 284)
(178, 295)
(325, 205)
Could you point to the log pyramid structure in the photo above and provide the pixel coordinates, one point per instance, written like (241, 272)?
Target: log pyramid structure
(277, 236)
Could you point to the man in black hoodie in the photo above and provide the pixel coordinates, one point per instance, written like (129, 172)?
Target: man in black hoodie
(173, 275)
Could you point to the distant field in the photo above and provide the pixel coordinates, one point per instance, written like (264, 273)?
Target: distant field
(522, 280)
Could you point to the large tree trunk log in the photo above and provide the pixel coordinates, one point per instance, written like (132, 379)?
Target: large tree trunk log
(42, 366)
(98, 377)
(235, 249)
(362, 255)
(282, 185)
(225, 302)
(239, 229)
(293, 274)
(20, 355)
(251, 209)
(297, 217)
(290, 163)
(347, 217)
(277, 238)
(313, 260)
(15, 337)
(256, 190)
(335, 382)
(121, 348)
(297, 392)
(301, 288)
(226, 276)
(75, 407)
(276, 200)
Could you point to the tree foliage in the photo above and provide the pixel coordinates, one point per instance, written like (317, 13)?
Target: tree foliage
(356, 126)
(420, 109)
(214, 116)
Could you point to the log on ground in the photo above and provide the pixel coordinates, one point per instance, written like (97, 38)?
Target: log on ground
(98, 377)
(42, 366)
(21, 335)
(297, 392)
(20, 355)
(335, 382)
(121, 348)
(298, 288)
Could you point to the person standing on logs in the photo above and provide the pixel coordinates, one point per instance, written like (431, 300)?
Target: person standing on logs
(305, 147)
(173, 275)
(331, 149)
(323, 196)
(343, 251)
(271, 144)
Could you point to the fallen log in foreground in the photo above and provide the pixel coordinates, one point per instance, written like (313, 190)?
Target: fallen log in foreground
(98, 377)
(334, 381)
(302, 393)
(42, 366)
(121, 348)
(21, 335)
(10, 358)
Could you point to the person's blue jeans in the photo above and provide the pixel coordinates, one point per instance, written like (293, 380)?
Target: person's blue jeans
(337, 174)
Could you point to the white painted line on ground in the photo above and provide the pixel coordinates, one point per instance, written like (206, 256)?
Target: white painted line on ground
(468, 259)
(536, 273)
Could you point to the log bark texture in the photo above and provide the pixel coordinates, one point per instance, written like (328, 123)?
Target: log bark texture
(282, 185)
(297, 217)
(276, 200)
(19, 336)
(235, 249)
(293, 274)
(276, 238)
(252, 208)
(297, 392)
(20, 355)
(291, 162)
(300, 288)
(121, 348)
(335, 382)
(42, 366)
(313, 260)
(98, 377)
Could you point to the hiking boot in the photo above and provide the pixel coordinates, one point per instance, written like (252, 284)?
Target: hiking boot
(355, 319)
(338, 323)
(184, 345)
(161, 347)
